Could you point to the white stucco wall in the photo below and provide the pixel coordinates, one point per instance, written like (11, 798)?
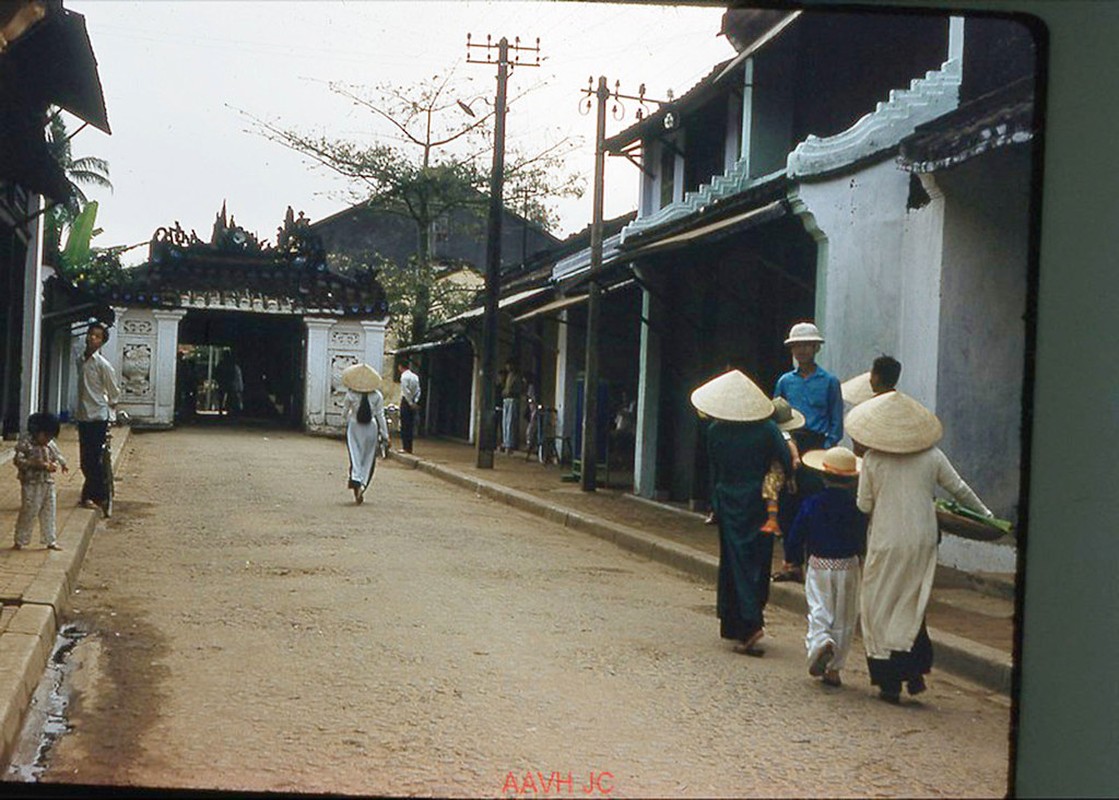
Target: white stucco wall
(861, 217)
(919, 323)
(982, 330)
(942, 288)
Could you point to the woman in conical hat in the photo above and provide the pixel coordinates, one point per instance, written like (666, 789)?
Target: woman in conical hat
(742, 442)
(901, 471)
(364, 411)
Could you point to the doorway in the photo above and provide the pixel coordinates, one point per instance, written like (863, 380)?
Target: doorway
(240, 367)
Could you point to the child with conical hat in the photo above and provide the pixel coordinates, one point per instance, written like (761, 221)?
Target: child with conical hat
(742, 443)
(830, 533)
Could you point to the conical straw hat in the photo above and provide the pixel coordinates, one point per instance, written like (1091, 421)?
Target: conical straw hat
(893, 422)
(786, 417)
(834, 461)
(361, 378)
(857, 389)
(732, 397)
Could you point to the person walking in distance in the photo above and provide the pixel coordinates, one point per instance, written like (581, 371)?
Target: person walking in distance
(364, 411)
(409, 402)
(98, 395)
(511, 392)
(815, 393)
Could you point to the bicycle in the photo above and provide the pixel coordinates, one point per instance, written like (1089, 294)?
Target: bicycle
(392, 422)
(122, 418)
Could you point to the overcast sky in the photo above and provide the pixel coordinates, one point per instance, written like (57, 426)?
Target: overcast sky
(175, 74)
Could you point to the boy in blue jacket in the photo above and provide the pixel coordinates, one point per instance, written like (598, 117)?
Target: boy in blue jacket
(830, 531)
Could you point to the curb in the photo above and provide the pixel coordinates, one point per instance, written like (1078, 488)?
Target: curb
(27, 641)
(976, 662)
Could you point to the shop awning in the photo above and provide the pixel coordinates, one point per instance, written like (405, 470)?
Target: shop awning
(424, 346)
(52, 62)
(732, 224)
(504, 302)
(568, 302)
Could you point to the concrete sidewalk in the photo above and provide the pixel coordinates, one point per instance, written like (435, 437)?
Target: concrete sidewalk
(36, 583)
(970, 617)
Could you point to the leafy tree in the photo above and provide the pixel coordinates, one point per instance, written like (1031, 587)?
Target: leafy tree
(433, 284)
(434, 161)
(84, 171)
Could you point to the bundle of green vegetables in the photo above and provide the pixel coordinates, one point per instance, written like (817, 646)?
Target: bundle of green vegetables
(952, 507)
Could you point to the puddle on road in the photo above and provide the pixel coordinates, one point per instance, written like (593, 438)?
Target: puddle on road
(46, 721)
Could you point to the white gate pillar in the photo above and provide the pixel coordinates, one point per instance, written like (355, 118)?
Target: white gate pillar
(317, 371)
(166, 360)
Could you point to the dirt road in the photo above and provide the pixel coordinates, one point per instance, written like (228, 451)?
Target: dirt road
(251, 628)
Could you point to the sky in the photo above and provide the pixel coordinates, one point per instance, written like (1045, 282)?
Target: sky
(181, 80)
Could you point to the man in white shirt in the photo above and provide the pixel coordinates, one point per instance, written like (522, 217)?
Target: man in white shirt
(409, 402)
(98, 394)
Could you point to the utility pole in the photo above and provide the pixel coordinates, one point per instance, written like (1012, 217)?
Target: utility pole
(589, 454)
(486, 429)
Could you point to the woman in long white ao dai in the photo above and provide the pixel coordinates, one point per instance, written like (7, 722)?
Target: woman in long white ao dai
(364, 411)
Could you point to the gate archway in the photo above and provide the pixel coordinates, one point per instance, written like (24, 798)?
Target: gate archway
(198, 312)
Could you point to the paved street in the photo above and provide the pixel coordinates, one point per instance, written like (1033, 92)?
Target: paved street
(250, 628)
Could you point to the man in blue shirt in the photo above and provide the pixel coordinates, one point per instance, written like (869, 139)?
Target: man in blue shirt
(814, 392)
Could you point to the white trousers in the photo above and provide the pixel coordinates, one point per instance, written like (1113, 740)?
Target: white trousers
(36, 500)
(833, 608)
(509, 423)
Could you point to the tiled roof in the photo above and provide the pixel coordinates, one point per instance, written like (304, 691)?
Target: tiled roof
(1000, 118)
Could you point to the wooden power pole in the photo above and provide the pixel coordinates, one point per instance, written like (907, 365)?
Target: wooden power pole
(589, 453)
(488, 373)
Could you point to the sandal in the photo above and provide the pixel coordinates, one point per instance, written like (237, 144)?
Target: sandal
(823, 658)
(831, 678)
(748, 647)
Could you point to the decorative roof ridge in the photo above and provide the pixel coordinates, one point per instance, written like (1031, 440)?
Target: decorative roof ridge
(927, 98)
(734, 181)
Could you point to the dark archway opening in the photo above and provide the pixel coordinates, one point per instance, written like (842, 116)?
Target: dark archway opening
(266, 350)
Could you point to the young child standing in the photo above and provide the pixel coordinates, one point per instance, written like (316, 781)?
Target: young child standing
(37, 458)
(831, 531)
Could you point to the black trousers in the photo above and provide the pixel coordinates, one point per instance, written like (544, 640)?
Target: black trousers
(907, 665)
(407, 424)
(91, 441)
